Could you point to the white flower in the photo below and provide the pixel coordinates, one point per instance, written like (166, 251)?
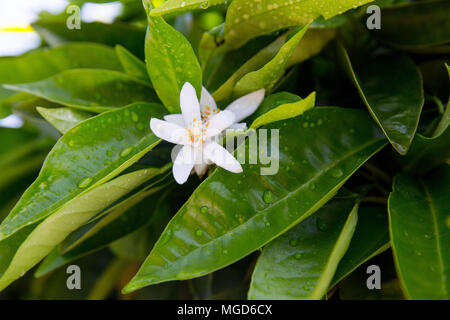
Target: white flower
(196, 129)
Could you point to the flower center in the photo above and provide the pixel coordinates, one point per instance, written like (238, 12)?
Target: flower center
(196, 131)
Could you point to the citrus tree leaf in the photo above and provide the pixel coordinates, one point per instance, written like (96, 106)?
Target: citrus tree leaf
(53, 230)
(179, 6)
(371, 237)
(55, 32)
(301, 264)
(391, 88)
(420, 233)
(88, 155)
(271, 72)
(231, 215)
(90, 89)
(132, 65)
(171, 62)
(246, 20)
(415, 24)
(63, 119)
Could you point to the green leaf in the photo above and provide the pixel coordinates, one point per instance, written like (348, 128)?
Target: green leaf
(55, 32)
(125, 218)
(40, 64)
(246, 20)
(231, 215)
(420, 233)
(180, 6)
(445, 120)
(90, 89)
(171, 62)
(371, 237)
(63, 119)
(285, 111)
(88, 155)
(301, 263)
(391, 87)
(270, 73)
(427, 152)
(272, 102)
(53, 230)
(312, 43)
(416, 24)
(132, 65)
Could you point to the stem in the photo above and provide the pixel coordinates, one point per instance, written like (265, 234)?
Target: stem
(382, 175)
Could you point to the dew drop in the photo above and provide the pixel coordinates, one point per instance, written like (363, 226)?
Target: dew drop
(134, 117)
(298, 256)
(293, 242)
(125, 152)
(312, 187)
(109, 153)
(204, 209)
(204, 5)
(337, 173)
(85, 182)
(268, 196)
(225, 251)
(305, 124)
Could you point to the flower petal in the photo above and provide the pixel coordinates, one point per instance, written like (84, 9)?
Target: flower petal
(169, 131)
(200, 169)
(190, 107)
(175, 118)
(207, 102)
(219, 122)
(238, 126)
(220, 156)
(246, 105)
(183, 164)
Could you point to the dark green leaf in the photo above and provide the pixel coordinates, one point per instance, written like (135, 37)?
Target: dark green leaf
(420, 233)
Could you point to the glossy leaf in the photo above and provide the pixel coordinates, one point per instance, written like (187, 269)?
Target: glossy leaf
(312, 43)
(285, 111)
(125, 218)
(132, 65)
(445, 120)
(415, 24)
(391, 88)
(270, 73)
(301, 263)
(43, 63)
(371, 237)
(63, 119)
(121, 137)
(420, 233)
(427, 152)
(55, 32)
(53, 230)
(231, 215)
(246, 20)
(90, 90)
(179, 6)
(171, 62)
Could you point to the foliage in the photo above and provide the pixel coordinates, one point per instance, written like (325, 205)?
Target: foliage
(363, 149)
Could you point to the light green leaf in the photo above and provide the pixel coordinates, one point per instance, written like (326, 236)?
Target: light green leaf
(246, 20)
(53, 230)
(90, 89)
(301, 263)
(419, 223)
(89, 154)
(371, 237)
(63, 119)
(270, 73)
(231, 215)
(391, 87)
(171, 62)
(132, 65)
(285, 111)
(180, 6)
